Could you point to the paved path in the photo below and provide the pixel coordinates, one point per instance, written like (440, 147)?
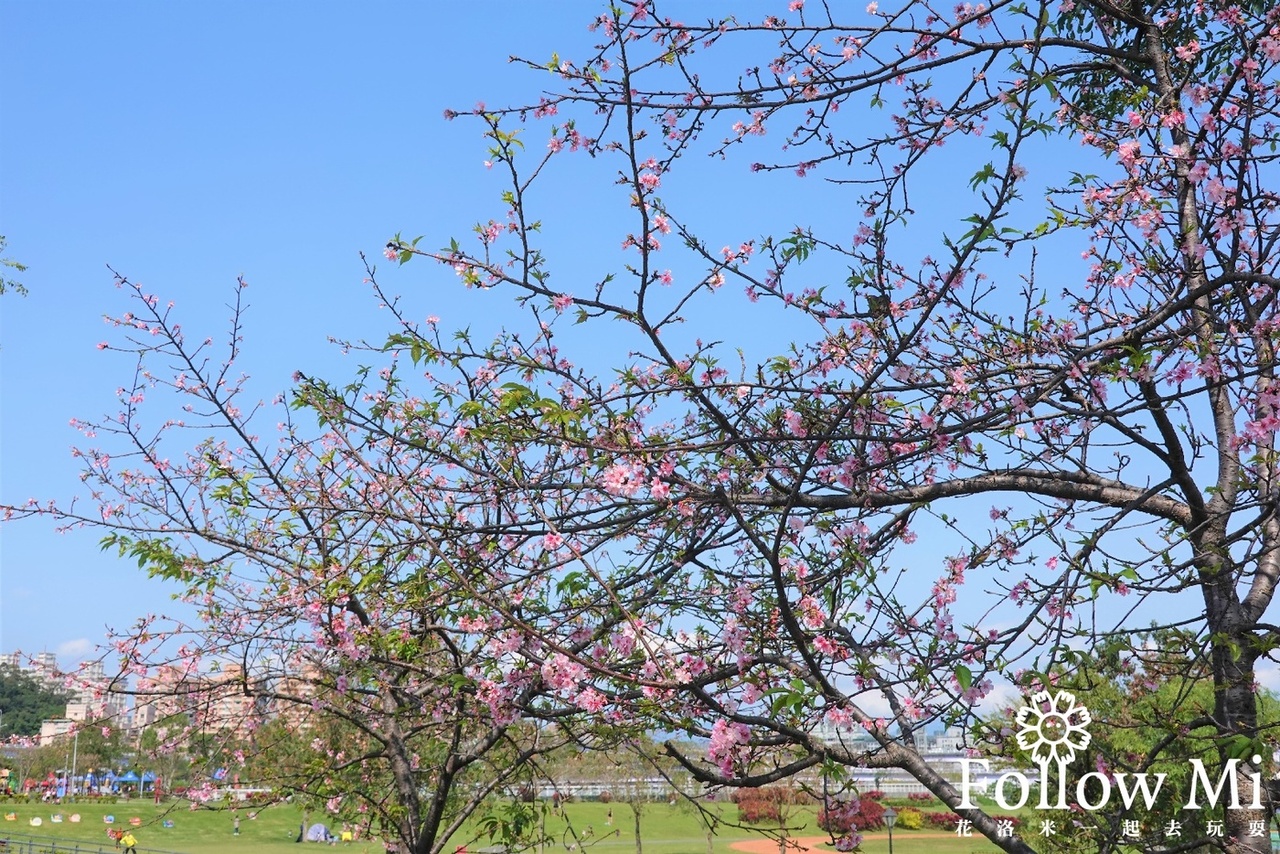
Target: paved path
(798, 844)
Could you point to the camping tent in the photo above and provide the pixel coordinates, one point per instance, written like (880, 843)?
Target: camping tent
(318, 833)
(128, 777)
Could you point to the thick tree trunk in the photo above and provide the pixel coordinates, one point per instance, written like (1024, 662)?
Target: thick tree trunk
(402, 774)
(1233, 658)
(1236, 708)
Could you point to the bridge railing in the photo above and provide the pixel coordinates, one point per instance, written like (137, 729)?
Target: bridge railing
(22, 843)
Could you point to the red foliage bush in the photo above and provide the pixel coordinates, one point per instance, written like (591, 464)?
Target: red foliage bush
(870, 815)
(874, 794)
(759, 810)
(760, 805)
(776, 794)
(850, 816)
(922, 797)
(944, 820)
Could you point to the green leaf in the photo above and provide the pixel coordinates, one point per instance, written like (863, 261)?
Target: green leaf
(1240, 747)
(964, 676)
(982, 176)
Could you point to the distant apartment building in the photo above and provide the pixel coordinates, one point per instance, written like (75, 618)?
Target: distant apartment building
(94, 699)
(52, 730)
(293, 695)
(42, 666)
(225, 702)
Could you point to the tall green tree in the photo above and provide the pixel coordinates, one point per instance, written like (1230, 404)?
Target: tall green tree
(26, 700)
(99, 744)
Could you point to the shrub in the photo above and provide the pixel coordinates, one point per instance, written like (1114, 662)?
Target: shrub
(606, 797)
(846, 817)
(874, 794)
(759, 810)
(833, 820)
(910, 818)
(921, 797)
(762, 804)
(776, 794)
(870, 815)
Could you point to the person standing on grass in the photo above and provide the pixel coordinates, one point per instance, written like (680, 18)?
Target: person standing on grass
(130, 842)
(235, 825)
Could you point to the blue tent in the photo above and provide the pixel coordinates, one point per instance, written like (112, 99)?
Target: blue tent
(129, 777)
(318, 833)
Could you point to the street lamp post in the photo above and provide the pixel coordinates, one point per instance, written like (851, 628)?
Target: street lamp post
(890, 819)
(75, 755)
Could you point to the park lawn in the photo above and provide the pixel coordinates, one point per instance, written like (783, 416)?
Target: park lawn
(203, 831)
(665, 829)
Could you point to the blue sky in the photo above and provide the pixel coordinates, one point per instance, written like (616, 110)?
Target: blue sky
(185, 144)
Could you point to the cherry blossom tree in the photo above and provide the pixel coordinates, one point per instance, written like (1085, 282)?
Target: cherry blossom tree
(1004, 398)
(954, 473)
(327, 657)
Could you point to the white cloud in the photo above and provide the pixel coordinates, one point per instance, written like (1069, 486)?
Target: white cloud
(1003, 695)
(74, 650)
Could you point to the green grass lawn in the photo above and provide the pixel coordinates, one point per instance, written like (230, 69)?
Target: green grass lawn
(203, 831)
(665, 830)
(678, 830)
